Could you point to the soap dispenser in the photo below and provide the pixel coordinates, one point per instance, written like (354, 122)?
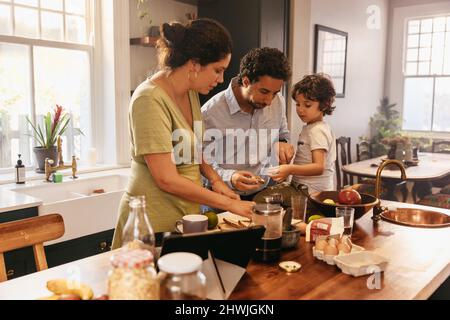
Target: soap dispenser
(20, 171)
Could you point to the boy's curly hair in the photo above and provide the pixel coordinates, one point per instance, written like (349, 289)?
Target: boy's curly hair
(317, 87)
(260, 62)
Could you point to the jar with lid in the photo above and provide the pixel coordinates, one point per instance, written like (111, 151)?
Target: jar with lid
(181, 277)
(271, 217)
(132, 276)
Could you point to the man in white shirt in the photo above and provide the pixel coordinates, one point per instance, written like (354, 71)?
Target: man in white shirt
(246, 125)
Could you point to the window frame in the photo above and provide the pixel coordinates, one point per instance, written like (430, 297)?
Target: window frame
(405, 76)
(91, 7)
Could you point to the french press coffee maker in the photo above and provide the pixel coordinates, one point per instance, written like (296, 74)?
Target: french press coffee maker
(270, 216)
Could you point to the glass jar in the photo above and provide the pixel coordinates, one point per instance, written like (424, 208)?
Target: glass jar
(138, 232)
(181, 277)
(132, 276)
(270, 216)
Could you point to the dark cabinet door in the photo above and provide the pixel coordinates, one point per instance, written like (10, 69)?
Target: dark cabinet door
(252, 24)
(79, 248)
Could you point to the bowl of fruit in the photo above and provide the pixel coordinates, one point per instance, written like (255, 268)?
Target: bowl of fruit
(327, 201)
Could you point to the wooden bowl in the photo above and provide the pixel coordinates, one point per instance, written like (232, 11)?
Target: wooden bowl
(329, 210)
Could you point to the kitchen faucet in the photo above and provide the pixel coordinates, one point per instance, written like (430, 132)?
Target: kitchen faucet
(378, 209)
(60, 166)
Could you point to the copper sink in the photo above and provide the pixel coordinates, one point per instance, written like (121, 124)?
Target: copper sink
(417, 218)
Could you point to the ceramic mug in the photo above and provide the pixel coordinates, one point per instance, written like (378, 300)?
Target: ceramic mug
(192, 223)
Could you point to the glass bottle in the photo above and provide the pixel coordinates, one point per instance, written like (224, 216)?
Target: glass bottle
(138, 232)
(132, 276)
(181, 277)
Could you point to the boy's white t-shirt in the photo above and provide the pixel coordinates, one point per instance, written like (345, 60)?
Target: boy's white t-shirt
(314, 136)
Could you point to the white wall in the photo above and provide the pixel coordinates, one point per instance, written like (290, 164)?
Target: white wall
(143, 59)
(365, 58)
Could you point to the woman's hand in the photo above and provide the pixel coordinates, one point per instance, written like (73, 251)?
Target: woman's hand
(280, 173)
(242, 208)
(221, 187)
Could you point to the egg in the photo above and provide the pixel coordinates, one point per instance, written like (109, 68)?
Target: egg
(330, 250)
(302, 226)
(321, 244)
(343, 247)
(333, 242)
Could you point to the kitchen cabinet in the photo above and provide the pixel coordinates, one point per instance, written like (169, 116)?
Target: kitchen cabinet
(252, 24)
(75, 249)
(19, 262)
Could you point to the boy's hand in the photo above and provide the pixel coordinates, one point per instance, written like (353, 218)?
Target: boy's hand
(281, 173)
(285, 152)
(244, 181)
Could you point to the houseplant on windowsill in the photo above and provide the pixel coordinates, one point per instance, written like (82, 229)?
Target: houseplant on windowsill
(46, 136)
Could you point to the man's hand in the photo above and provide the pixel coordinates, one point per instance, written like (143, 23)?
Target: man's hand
(222, 188)
(244, 181)
(280, 173)
(285, 152)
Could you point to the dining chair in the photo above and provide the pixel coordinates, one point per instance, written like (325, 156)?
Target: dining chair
(422, 190)
(343, 157)
(441, 146)
(29, 232)
(364, 151)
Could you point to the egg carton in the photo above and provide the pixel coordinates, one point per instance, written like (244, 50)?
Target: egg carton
(329, 259)
(361, 263)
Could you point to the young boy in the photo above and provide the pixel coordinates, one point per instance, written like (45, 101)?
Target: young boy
(314, 161)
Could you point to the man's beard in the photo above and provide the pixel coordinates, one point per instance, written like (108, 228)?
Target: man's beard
(257, 105)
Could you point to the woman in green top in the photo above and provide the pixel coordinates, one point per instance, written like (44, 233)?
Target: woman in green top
(193, 59)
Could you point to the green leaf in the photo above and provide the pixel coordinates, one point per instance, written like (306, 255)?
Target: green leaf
(37, 133)
(48, 129)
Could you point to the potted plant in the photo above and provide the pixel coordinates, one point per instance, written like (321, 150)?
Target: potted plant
(384, 124)
(46, 136)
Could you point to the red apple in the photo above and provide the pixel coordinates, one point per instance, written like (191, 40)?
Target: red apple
(349, 196)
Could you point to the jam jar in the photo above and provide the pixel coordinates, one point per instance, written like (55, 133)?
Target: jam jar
(132, 276)
(181, 277)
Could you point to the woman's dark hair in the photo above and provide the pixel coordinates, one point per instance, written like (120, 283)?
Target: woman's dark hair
(260, 62)
(203, 40)
(317, 87)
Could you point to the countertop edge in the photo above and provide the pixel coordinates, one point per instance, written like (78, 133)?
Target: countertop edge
(435, 283)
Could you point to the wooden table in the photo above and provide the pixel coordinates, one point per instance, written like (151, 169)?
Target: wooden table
(419, 262)
(432, 166)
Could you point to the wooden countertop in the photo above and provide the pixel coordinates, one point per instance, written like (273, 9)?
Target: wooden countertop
(419, 262)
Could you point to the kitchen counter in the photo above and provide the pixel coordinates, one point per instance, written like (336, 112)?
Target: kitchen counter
(419, 262)
(11, 201)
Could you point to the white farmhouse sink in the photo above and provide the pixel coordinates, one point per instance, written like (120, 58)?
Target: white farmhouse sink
(84, 212)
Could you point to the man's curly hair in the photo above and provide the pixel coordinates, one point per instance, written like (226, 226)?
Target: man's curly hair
(317, 87)
(260, 62)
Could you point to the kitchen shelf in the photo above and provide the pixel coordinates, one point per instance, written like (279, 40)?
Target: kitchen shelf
(144, 41)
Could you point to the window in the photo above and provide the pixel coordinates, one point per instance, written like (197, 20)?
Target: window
(45, 59)
(427, 75)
